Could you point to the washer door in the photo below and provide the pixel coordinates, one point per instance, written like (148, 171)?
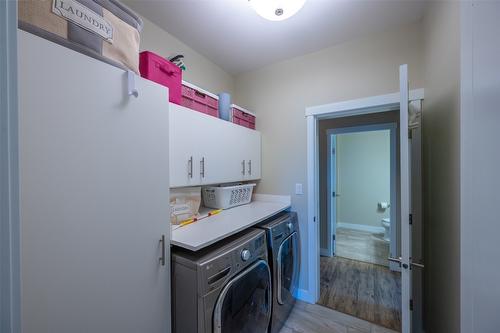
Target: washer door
(288, 268)
(244, 305)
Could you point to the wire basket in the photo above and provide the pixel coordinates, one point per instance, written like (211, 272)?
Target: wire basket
(224, 197)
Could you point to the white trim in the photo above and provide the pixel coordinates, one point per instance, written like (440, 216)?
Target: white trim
(312, 244)
(366, 105)
(355, 107)
(324, 252)
(331, 213)
(361, 227)
(9, 172)
(467, 284)
(404, 203)
(306, 296)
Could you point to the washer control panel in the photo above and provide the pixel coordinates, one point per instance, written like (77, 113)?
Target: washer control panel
(245, 254)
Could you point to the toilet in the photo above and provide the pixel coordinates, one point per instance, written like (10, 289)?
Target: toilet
(386, 223)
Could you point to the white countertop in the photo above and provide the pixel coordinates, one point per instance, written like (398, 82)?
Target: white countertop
(205, 232)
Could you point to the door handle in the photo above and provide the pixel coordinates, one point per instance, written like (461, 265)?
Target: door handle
(396, 260)
(202, 167)
(250, 167)
(162, 244)
(417, 264)
(243, 167)
(399, 261)
(190, 167)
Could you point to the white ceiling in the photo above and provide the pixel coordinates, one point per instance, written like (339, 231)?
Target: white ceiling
(233, 36)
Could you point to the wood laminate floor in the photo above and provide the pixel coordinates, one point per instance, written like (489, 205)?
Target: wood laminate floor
(362, 246)
(314, 318)
(367, 291)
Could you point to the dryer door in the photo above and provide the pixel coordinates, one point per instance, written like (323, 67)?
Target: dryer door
(288, 268)
(244, 305)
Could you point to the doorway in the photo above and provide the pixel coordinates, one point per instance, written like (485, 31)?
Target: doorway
(409, 104)
(358, 191)
(362, 190)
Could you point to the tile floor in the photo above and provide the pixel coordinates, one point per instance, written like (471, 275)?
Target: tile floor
(362, 246)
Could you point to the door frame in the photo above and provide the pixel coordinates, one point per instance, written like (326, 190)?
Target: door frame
(331, 164)
(392, 128)
(9, 173)
(313, 114)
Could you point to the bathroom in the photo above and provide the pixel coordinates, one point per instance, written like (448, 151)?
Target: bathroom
(357, 238)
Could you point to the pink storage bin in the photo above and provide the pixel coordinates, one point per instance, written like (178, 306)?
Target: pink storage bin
(158, 69)
(199, 100)
(242, 117)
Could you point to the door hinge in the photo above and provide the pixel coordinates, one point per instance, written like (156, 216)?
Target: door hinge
(314, 219)
(333, 238)
(333, 151)
(411, 219)
(333, 194)
(411, 305)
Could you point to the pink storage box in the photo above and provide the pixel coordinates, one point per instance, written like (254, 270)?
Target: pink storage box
(199, 100)
(158, 69)
(242, 116)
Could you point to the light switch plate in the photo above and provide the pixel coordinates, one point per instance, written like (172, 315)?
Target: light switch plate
(298, 189)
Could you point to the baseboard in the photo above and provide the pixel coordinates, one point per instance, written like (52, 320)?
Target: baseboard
(361, 227)
(305, 295)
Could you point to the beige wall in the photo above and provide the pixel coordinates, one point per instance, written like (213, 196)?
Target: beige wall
(441, 171)
(200, 70)
(364, 177)
(279, 94)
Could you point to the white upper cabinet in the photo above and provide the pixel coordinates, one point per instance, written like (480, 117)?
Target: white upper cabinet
(207, 150)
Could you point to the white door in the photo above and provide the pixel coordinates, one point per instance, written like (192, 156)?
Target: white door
(220, 144)
(405, 259)
(251, 153)
(184, 146)
(93, 195)
(332, 192)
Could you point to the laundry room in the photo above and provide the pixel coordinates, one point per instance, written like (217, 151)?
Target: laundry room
(248, 166)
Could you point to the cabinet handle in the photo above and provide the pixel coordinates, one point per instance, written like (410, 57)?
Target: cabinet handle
(250, 167)
(202, 167)
(243, 167)
(162, 243)
(190, 167)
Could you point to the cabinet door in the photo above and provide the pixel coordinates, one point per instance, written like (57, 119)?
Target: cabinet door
(93, 195)
(222, 151)
(184, 147)
(249, 151)
(207, 150)
(254, 155)
(209, 141)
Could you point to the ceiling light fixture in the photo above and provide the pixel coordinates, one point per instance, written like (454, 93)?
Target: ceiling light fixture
(277, 10)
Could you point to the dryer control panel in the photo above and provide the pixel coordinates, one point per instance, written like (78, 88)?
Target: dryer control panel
(232, 258)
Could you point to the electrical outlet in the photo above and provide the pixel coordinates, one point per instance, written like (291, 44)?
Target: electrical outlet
(298, 189)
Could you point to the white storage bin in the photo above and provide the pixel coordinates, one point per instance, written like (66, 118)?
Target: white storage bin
(223, 197)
